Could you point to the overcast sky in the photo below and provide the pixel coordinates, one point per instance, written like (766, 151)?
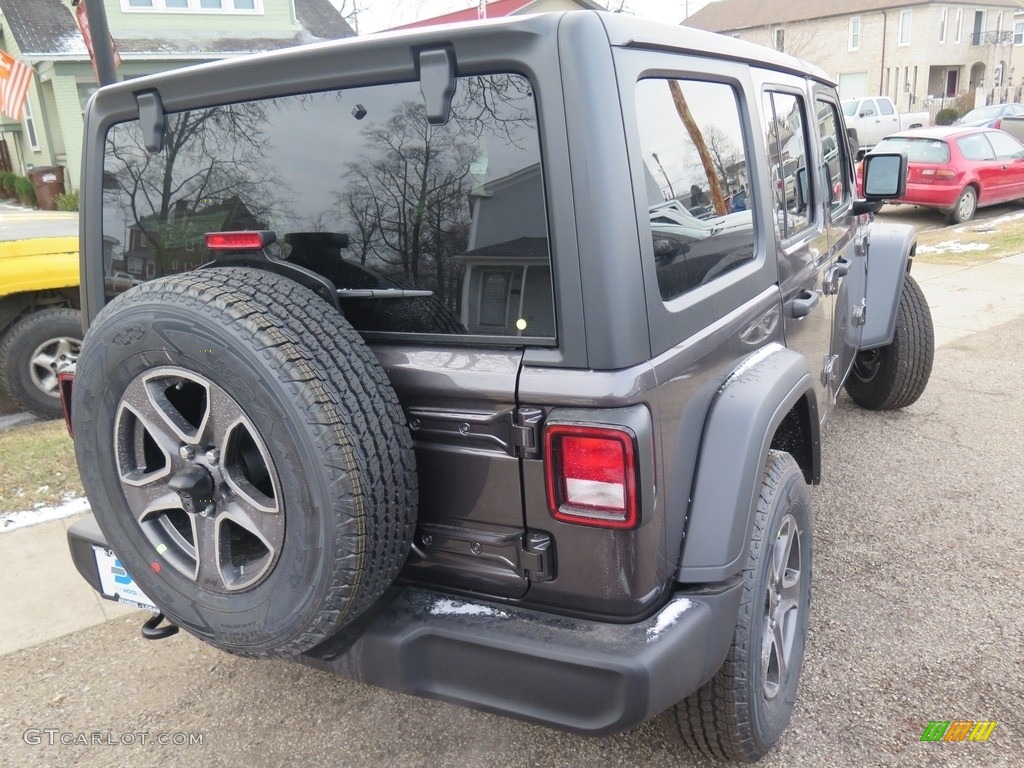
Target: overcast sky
(378, 15)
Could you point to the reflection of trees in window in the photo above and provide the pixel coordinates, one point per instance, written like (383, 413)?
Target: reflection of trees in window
(407, 198)
(209, 176)
(408, 195)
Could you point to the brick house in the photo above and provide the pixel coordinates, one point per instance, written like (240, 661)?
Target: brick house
(152, 36)
(919, 53)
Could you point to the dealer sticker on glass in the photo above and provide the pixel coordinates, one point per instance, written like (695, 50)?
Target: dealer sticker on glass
(117, 583)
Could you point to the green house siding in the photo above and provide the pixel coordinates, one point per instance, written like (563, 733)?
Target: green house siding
(277, 16)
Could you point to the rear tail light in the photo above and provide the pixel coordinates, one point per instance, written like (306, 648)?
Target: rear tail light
(65, 381)
(254, 240)
(929, 175)
(592, 476)
(998, 123)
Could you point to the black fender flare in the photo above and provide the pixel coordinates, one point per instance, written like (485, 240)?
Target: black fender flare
(738, 431)
(890, 249)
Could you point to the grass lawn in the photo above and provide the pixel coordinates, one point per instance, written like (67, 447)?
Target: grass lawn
(37, 466)
(975, 242)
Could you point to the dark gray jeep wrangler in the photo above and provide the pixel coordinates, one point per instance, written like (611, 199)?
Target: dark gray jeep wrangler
(486, 362)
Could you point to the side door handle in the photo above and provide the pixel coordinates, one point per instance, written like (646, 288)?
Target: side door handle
(804, 303)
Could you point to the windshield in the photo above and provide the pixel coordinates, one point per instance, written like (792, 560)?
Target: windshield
(983, 113)
(919, 150)
(850, 108)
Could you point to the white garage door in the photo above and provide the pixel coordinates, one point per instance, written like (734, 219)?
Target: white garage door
(852, 85)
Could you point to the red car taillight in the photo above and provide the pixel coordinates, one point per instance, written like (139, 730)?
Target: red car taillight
(929, 175)
(592, 476)
(998, 123)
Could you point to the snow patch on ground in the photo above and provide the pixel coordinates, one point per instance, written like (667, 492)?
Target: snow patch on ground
(952, 246)
(459, 608)
(669, 616)
(11, 521)
(989, 224)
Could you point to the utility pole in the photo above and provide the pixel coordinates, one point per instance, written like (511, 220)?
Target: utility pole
(102, 47)
(671, 191)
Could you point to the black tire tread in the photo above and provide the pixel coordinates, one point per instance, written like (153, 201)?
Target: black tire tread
(10, 365)
(351, 407)
(907, 361)
(716, 720)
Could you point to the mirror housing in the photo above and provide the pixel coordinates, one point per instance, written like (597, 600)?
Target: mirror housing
(885, 178)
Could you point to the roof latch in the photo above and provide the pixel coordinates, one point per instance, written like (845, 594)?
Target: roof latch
(151, 120)
(437, 83)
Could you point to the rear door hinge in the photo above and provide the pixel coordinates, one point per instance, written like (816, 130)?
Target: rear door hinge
(526, 432)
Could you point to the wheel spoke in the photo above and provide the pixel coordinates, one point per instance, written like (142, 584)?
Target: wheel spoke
(145, 498)
(268, 527)
(155, 418)
(208, 561)
(789, 597)
(222, 414)
(44, 360)
(779, 650)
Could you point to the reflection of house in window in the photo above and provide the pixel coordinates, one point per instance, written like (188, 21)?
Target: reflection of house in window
(156, 246)
(507, 285)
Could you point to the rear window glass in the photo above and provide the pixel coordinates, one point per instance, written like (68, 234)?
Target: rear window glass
(918, 150)
(424, 229)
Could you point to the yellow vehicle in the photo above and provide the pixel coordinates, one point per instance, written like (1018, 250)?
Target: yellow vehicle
(40, 323)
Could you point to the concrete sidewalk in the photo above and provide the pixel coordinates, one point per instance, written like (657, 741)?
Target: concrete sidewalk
(43, 596)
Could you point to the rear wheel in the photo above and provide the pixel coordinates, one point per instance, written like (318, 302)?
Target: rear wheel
(31, 354)
(895, 376)
(245, 456)
(743, 710)
(965, 208)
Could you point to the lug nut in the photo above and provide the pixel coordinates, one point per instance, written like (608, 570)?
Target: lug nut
(187, 452)
(213, 455)
(207, 510)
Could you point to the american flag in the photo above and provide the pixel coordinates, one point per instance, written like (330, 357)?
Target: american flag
(15, 78)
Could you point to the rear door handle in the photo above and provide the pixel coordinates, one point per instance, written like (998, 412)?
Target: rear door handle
(804, 303)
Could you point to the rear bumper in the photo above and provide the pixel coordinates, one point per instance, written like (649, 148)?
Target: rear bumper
(584, 676)
(941, 196)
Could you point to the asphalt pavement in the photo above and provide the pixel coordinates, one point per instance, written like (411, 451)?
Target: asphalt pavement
(916, 615)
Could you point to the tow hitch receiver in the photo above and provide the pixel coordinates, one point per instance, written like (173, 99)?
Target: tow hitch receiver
(151, 629)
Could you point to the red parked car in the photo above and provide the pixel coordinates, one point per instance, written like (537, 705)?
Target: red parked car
(958, 169)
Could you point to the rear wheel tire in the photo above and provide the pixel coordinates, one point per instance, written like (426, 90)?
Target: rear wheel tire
(895, 376)
(965, 208)
(31, 354)
(245, 456)
(743, 710)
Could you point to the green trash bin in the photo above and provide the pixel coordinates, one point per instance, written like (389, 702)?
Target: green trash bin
(48, 182)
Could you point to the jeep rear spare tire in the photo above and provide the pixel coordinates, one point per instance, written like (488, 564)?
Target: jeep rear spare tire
(245, 457)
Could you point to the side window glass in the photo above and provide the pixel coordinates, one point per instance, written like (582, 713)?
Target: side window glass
(1006, 147)
(787, 156)
(698, 193)
(834, 150)
(975, 147)
(884, 107)
(867, 109)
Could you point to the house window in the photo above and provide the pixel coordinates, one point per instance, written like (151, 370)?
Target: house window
(30, 127)
(959, 25)
(779, 39)
(194, 6)
(854, 39)
(135, 265)
(904, 30)
(1018, 33)
(943, 19)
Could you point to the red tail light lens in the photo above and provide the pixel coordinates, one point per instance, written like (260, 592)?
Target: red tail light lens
(65, 381)
(998, 123)
(239, 241)
(591, 476)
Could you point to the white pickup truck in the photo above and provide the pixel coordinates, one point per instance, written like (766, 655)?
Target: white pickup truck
(875, 117)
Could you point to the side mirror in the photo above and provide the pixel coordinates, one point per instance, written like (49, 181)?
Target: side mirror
(885, 175)
(885, 178)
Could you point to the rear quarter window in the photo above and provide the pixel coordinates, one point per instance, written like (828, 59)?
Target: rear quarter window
(360, 189)
(918, 150)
